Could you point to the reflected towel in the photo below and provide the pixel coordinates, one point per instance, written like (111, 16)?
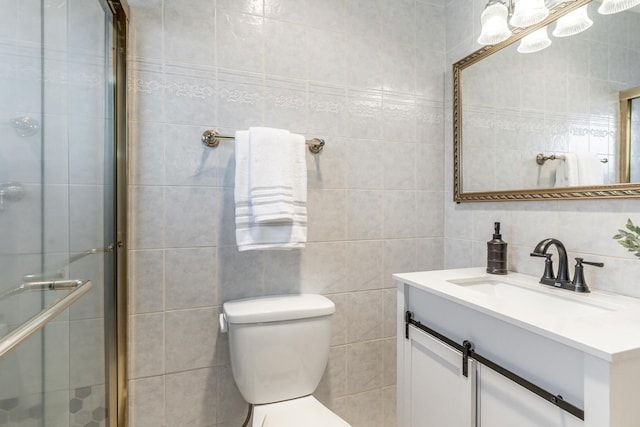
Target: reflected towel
(567, 174)
(579, 169)
(589, 169)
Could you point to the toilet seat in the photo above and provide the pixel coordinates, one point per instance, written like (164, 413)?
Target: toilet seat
(304, 411)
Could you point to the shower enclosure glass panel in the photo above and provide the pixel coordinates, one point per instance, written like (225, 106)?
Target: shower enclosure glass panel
(56, 205)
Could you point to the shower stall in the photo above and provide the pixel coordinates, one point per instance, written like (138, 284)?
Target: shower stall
(62, 213)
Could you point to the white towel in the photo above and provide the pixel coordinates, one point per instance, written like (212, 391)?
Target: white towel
(577, 169)
(567, 174)
(277, 178)
(251, 235)
(589, 169)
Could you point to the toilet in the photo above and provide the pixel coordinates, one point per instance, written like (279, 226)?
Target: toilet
(279, 347)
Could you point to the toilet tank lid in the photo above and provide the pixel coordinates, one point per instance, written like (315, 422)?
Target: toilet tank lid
(277, 308)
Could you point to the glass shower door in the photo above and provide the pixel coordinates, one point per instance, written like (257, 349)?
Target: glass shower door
(56, 207)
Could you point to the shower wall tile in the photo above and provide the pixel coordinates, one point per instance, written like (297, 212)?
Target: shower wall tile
(186, 163)
(389, 406)
(148, 154)
(190, 339)
(145, 28)
(364, 160)
(285, 52)
(334, 381)
(239, 41)
(187, 38)
(146, 281)
(146, 355)
(365, 262)
(399, 210)
(287, 10)
(364, 64)
(231, 407)
(189, 390)
(147, 217)
(364, 214)
(364, 18)
(190, 278)
(190, 95)
(365, 409)
(374, 92)
(365, 316)
(195, 226)
(241, 273)
(324, 268)
(399, 257)
(325, 215)
(327, 56)
(364, 366)
(147, 402)
(285, 103)
(327, 108)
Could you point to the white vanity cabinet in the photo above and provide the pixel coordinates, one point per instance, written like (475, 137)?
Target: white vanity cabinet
(445, 397)
(581, 358)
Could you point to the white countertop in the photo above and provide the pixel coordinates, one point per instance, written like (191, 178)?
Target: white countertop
(612, 335)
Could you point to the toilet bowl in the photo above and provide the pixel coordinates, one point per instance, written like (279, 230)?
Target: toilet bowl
(279, 347)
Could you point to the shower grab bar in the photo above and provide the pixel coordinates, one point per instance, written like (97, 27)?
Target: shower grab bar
(37, 322)
(211, 139)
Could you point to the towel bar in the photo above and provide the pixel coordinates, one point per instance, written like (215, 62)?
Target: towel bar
(211, 138)
(541, 158)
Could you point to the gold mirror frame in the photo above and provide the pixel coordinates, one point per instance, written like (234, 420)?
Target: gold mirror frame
(624, 190)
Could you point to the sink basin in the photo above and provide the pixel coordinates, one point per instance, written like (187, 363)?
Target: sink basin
(521, 297)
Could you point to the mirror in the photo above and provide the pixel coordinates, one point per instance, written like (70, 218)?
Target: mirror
(555, 124)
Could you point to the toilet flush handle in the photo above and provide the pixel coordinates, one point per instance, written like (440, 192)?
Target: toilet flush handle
(224, 327)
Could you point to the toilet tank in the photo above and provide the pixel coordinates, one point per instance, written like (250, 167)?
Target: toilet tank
(279, 345)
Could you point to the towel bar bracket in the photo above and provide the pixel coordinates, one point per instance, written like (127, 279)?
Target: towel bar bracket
(211, 139)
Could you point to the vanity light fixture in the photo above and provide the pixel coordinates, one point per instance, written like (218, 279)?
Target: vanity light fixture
(494, 23)
(609, 7)
(573, 23)
(535, 41)
(523, 13)
(528, 13)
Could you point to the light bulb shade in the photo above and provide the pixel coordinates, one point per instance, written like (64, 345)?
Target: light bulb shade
(494, 24)
(614, 6)
(528, 12)
(535, 41)
(573, 23)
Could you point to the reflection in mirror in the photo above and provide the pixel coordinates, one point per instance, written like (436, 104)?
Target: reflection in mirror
(561, 103)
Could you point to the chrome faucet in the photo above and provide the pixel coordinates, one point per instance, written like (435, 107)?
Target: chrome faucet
(578, 284)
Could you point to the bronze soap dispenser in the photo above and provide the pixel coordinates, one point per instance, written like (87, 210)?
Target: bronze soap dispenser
(496, 253)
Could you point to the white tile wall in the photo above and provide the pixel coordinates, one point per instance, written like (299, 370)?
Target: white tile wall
(374, 92)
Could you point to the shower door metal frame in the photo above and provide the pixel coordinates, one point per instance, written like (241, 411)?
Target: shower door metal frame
(116, 319)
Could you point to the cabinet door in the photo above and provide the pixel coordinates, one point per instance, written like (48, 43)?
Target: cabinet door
(503, 403)
(439, 395)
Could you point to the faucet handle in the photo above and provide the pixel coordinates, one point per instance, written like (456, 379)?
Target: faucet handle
(548, 277)
(579, 284)
(595, 264)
